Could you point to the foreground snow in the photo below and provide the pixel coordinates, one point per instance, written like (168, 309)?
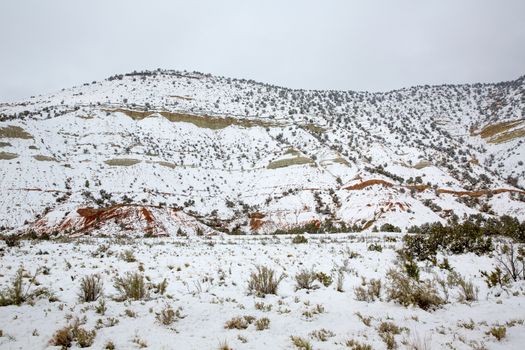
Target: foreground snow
(207, 278)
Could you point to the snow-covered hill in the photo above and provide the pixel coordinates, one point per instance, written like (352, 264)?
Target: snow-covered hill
(152, 152)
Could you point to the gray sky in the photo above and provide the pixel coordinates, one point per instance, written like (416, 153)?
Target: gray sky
(349, 45)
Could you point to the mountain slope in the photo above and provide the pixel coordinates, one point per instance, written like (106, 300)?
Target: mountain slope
(163, 150)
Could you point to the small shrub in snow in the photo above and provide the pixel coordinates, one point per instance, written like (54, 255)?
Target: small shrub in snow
(387, 332)
(264, 281)
(101, 308)
(511, 259)
(19, 293)
(407, 291)
(340, 280)
(263, 307)
(305, 279)
(355, 345)
(375, 247)
(128, 256)
(322, 334)
(389, 228)
(131, 286)
(224, 346)
(83, 337)
(367, 320)
(160, 288)
(65, 337)
(262, 323)
(238, 323)
(468, 292)
(298, 239)
(301, 343)
(141, 343)
(496, 278)
(499, 332)
(326, 280)
(91, 288)
(368, 291)
(168, 315)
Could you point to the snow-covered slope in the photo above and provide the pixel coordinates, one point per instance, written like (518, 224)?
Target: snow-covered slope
(153, 152)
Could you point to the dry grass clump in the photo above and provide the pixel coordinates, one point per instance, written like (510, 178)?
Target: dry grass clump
(368, 291)
(131, 286)
(301, 343)
(264, 281)
(299, 239)
(355, 345)
(224, 346)
(91, 288)
(128, 256)
(499, 332)
(262, 323)
(468, 292)
(407, 291)
(387, 332)
(322, 334)
(305, 279)
(168, 315)
(65, 337)
(239, 322)
(19, 292)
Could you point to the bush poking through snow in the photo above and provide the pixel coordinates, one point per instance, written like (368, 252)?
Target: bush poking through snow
(406, 291)
(387, 332)
(301, 343)
(168, 315)
(326, 280)
(368, 291)
(262, 323)
(264, 281)
(340, 281)
(496, 278)
(91, 288)
(128, 256)
(499, 332)
(305, 279)
(18, 293)
(355, 345)
(511, 259)
(468, 292)
(239, 322)
(224, 346)
(375, 247)
(322, 334)
(131, 286)
(64, 337)
(299, 239)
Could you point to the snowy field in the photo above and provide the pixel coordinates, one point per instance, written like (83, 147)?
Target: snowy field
(206, 288)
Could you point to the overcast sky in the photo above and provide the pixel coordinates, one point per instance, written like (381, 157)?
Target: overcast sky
(348, 45)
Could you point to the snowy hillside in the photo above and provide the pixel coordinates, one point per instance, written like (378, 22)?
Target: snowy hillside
(155, 152)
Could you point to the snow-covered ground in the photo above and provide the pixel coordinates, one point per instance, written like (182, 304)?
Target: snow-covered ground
(207, 279)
